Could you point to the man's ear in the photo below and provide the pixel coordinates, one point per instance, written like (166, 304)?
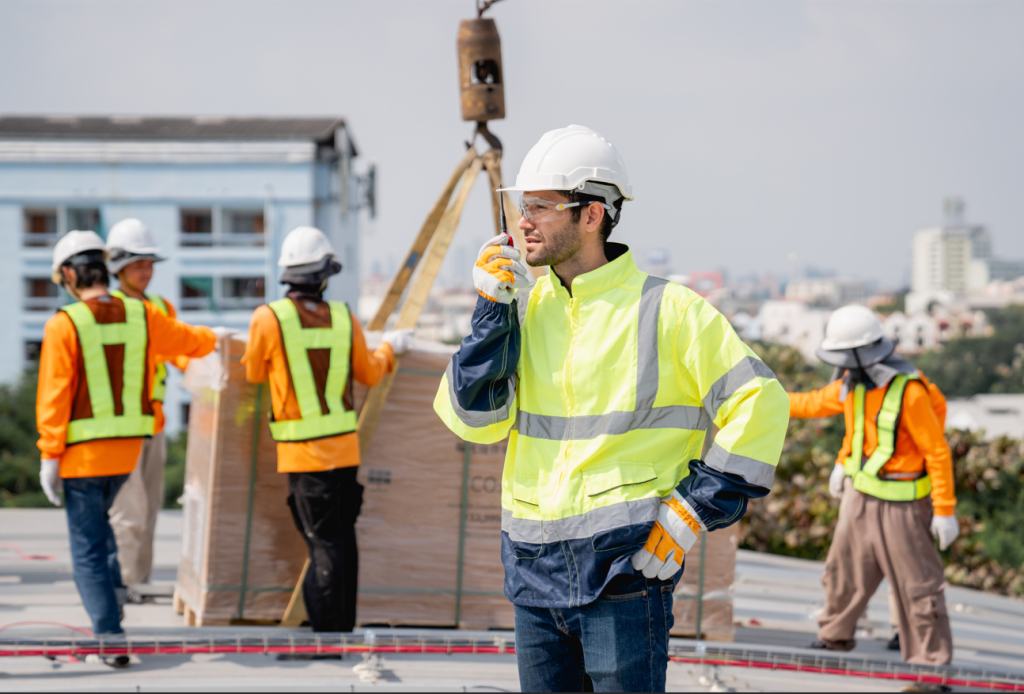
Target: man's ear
(70, 276)
(594, 216)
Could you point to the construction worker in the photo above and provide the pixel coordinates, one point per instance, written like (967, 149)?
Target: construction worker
(94, 409)
(311, 350)
(133, 251)
(607, 388)
(894, 475)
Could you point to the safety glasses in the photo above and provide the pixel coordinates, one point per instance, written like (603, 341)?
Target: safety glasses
(541, 210)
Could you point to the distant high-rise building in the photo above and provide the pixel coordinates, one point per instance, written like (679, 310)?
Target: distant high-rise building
(950, 260)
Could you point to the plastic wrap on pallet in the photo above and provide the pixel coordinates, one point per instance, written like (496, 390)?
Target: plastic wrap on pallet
(712, 597)
(238, 537)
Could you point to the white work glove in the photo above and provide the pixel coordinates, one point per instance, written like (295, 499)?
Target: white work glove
(945, 529)
(49, 478)
(400, 340)
(672, 536)
(835, 482)
(499, 272)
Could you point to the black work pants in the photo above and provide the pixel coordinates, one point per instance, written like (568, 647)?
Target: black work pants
(325, 506)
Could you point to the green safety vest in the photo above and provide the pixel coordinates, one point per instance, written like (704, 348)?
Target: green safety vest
(160, 384)
(314, 424)
(92, 336)
(865, 475)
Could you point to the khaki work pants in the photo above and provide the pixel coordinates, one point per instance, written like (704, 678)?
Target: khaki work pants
(878, 539)
(133, 515)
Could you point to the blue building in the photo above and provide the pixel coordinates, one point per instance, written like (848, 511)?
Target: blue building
(219, 194)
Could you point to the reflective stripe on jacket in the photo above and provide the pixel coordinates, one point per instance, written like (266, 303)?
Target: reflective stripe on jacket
(607, 397)
(62, 393)
(920, 443)
(318, 369)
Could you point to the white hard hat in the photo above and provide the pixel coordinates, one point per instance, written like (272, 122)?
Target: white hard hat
(70, 245)
(304, 246)
(128, 241)
(852, 326)
(566, 158)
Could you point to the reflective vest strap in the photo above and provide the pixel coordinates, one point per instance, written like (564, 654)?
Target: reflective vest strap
(97, 378)
(92, 337)
(852, 465)
(295, 347)
(337, 373)
(159, 302)
(297, 340)
(888, 419)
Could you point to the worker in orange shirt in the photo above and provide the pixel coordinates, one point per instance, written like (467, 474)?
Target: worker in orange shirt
(894, 475)
(94, 409)
(311, 350)
(133, 251)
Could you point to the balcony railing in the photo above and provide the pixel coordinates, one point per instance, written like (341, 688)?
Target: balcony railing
(43, 303)
(38, 240)
(192, 240)
(203, 303)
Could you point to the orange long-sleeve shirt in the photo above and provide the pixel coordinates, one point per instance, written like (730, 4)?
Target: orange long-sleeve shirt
(59, 379)
(181, 362)
(920, 439)
(265, 359)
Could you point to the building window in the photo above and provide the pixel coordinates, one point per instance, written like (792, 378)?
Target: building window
(217, 227)
(32, 350)
(222, 294)
(241, 293)
(42, 295)
(40, 228)
(196, 227)
(920, 336)
(242, 228)
(83, 219)
(197, 294)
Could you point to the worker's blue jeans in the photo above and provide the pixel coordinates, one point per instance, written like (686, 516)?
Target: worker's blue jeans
(93, 549)
(618, 643)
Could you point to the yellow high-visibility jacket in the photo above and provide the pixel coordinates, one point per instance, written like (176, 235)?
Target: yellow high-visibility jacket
(607, 397)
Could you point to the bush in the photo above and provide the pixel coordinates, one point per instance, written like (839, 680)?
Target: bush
(174, 472)
(19, 457)
(798, 517)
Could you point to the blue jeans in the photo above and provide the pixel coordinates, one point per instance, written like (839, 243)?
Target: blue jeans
(93, 549)
(618, 643)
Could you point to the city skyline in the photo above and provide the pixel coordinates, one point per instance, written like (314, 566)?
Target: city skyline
(752, 130)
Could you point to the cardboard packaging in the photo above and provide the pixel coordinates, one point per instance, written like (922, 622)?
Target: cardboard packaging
(422, 562)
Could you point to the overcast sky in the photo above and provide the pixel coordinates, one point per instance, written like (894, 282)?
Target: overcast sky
(750, 129)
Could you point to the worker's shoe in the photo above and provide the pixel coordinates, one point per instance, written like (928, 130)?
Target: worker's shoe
(926, 687)
(834, 645)
(133, 597)
(118, 662)
(894, 642)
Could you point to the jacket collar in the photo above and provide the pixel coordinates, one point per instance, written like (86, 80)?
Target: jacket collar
(615, 273)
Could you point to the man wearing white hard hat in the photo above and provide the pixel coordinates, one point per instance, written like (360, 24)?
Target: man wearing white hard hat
(894, 475)
(133, 251)
(311, 351)
(607, 382)
(94, 409)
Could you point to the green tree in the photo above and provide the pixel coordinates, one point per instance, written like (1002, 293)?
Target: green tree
(970, 365)
(19, 457)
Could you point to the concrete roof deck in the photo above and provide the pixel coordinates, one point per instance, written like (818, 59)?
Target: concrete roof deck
(776, 601)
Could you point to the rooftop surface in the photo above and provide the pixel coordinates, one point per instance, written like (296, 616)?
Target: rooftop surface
(776, 603)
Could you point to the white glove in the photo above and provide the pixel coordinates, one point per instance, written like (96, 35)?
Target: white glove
(945, 529)
(835, 482)
(49, 478)
(400, 340)
(672, 536)
(499, 272)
